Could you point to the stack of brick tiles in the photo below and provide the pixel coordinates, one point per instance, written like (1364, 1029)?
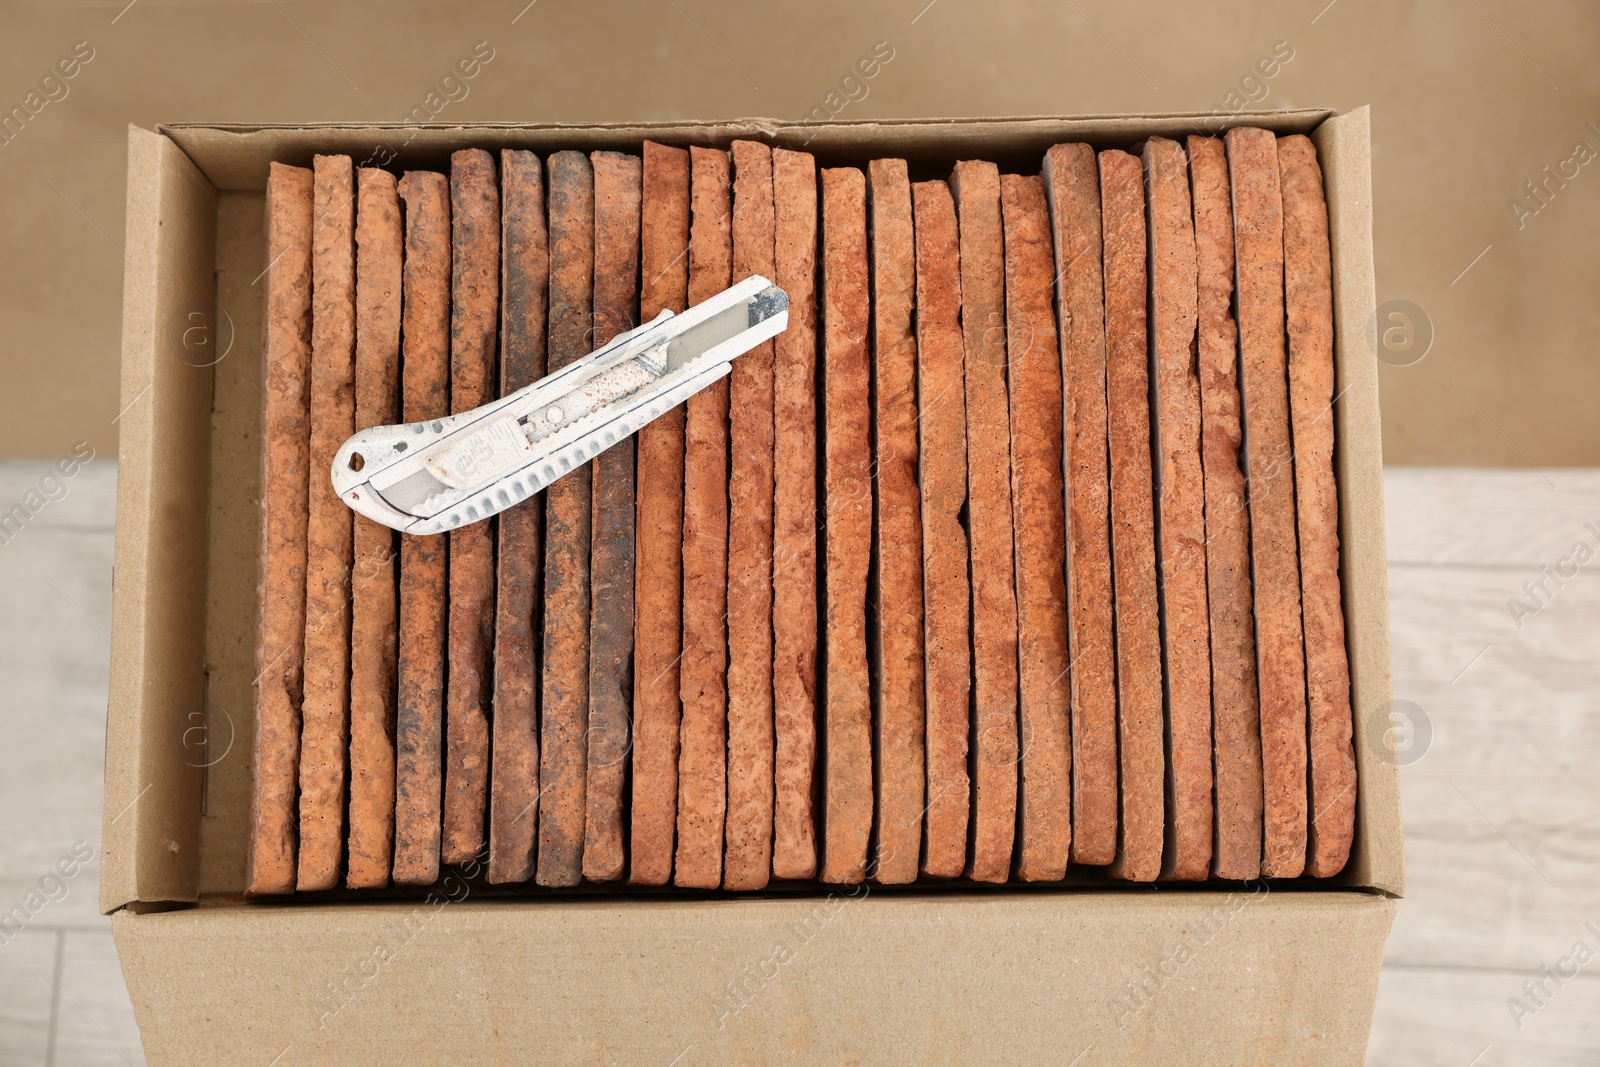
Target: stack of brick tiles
(1015, 557)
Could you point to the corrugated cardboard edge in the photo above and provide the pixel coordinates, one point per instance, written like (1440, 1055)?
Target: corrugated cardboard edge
(236, 156)
(856, 976)
(150, 838)
(1344, 145)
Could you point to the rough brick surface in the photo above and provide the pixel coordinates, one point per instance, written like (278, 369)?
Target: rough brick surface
(847, 505)
(425, 382)
(976, 187)
(794, 511)
(1308, 307)
(1236, 727)
(616, 295)
(1140, 727)
(281, 588)
(1045, 829)
(325, 712)
(702, 759)
(514, 771)
(942, 475)
(564, 723)
(374, 610)
(1269, 466)
(897, 615)
(1072, 184)
(1180, 511)
(748, 860)
(658, 580)
(474, 322)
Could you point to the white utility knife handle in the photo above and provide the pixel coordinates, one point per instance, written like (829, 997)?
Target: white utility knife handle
(431, 477)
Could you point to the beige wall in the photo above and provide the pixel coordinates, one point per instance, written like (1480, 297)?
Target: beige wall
(1471, 99)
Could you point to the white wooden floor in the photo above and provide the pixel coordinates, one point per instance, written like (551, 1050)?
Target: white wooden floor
(1502, 801)
(1502, 811)
(61, 994)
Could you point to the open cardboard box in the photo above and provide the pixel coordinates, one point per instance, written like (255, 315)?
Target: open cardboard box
(1214, 973)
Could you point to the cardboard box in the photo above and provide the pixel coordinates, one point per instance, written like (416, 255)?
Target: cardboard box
(1225, 973)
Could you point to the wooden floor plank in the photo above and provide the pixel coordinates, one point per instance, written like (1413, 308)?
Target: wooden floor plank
(1500, 790)
(94, 1019)
(1445, 1018)
(1488, 517)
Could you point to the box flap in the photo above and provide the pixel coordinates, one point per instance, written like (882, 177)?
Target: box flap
(858, 976)
(152, 793)
(235, 156)
(1344, 144)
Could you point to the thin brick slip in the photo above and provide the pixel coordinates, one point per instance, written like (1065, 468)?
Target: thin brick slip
(1180, 511)
(1072, 184)
(748, 860)
(847, 474)
(1045, 826)
(514, 773)
(975, 186)
(1274, 555)
(425, 385)
(658, 579)
(897, 636)
(563, 749)
(794, 510)
(474, 314)
(702, 760)
(373, 619)
(325, 713)
(1140, 729)
(616, 291)
(1308, 305)
(281, 580)
(1236, 729)
(942, 423)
